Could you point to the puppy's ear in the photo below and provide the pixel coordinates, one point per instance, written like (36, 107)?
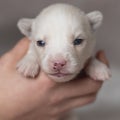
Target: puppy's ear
(95, 18)
(24, 26)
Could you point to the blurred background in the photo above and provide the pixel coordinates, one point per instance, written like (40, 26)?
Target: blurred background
(107, 106)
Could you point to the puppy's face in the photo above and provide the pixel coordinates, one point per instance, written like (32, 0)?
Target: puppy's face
(63, 39)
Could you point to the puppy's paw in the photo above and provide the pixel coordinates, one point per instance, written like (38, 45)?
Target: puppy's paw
(98, 70)
(28, 66)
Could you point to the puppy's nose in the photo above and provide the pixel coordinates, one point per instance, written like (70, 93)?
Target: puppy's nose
(58, 65)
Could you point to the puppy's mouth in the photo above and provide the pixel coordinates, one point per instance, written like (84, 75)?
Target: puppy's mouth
(59, 74)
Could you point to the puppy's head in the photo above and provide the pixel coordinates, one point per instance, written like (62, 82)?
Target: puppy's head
(63, 39)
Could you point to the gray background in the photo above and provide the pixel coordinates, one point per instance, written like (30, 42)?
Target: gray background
(107, 106)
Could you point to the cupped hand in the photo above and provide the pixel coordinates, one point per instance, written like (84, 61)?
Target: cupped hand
(40, 98)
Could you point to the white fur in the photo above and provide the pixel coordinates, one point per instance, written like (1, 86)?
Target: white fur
(29, 65)
(97, 70)
(59, 25)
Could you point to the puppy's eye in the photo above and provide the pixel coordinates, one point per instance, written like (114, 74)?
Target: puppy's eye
(41, 43)
(77, 41)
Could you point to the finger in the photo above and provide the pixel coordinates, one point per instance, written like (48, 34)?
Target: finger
(16, 53)
(70, 104)
(75, 88)
(10, 58)
(20, 49)
(101, 56)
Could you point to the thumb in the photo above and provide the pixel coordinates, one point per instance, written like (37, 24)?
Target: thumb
(20, 49)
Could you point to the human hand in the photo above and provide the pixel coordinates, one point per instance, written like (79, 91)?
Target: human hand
(40, 98)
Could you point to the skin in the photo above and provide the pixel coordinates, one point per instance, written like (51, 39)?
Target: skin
(40, 98)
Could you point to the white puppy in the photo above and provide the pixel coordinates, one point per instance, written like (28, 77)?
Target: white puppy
(62, 40)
